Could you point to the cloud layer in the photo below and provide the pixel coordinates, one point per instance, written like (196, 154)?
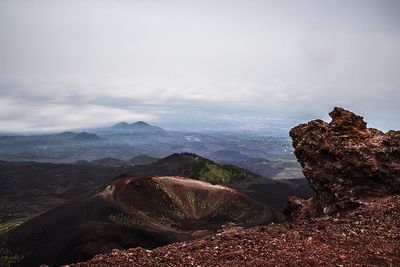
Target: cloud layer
(74, 64)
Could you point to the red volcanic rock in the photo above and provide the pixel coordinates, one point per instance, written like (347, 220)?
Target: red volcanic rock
(368, 236)
(345, 162)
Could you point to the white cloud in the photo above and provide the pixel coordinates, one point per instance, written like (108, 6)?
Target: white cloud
(152, 58)
(27, 116)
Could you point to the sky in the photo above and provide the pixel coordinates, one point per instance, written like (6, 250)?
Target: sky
(196, 65)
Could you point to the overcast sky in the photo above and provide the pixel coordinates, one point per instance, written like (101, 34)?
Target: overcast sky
(181, 64)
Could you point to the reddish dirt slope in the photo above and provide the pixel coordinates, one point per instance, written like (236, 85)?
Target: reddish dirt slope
(368, 236)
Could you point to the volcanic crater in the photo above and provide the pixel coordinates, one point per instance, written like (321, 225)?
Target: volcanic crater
(132, 212)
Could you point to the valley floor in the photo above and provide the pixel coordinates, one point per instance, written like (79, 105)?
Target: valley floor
(368, 236)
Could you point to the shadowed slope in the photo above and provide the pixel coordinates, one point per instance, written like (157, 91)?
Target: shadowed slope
(365, 237)
(131, 212)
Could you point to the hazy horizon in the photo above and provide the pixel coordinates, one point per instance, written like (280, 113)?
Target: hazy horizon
(185, 65)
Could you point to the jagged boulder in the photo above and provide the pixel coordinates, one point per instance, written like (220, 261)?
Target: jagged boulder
(344, 162)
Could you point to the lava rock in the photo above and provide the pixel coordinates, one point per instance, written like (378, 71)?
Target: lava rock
(344, 162)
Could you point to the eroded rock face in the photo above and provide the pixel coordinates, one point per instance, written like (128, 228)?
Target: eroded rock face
(344, 162)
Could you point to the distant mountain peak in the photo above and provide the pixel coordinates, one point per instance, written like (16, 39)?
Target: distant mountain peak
(122, 123)
(136, 126)
(141, 123)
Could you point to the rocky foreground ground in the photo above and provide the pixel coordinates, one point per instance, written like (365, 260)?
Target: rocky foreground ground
(353, 219)
(368, 236)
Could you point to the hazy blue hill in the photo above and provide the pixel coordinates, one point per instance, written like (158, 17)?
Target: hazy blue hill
(126, 139)
(9, 137)
(139, 126)
(85, 136)
(121, 125)
(141, 123)
(66, 134)
(47, 138)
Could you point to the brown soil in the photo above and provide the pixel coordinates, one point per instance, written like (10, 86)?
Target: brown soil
(367, 236)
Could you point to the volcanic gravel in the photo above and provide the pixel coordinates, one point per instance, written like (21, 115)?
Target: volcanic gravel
(367, 236)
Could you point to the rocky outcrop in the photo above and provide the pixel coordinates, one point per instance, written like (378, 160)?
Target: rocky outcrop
(344, 162)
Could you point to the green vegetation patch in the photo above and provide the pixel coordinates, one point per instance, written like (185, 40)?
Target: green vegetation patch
(217, 175)
(208, 171)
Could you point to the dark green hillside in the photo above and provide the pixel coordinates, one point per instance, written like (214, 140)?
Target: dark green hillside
(206, 170)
